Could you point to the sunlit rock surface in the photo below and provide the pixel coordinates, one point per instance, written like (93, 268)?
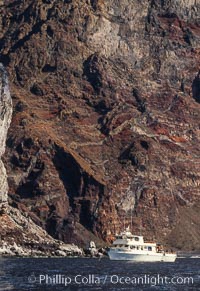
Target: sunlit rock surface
(5, 119)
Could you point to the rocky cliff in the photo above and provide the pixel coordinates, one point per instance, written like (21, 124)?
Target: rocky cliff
(19, 235)
(106, 116)
(5, 119)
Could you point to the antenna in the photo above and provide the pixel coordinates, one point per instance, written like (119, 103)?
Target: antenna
(131, 219)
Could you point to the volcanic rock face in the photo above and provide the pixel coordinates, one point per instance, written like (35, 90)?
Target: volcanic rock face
(106, 119)
(5, 119)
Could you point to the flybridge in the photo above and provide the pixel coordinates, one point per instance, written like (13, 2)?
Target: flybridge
(136, 238)
(128, 236)
(130, 239)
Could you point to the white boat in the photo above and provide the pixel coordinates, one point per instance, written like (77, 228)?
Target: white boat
(129, 247)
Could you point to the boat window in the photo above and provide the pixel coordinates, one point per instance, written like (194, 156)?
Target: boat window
(126, 246)
(137, 248)
(149, 248)
(119, 237)
(136, 238)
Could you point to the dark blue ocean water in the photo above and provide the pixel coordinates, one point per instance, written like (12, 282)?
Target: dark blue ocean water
(81, 274)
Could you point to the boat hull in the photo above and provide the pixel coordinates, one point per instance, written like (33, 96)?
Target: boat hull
(128, 256)
(169, 258)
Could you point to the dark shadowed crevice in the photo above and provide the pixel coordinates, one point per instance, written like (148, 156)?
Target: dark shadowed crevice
(144, 144)
(49, 69)
(14, 3)
(36, 90)
(50, 31)
(30, 187)
(196, 88)
(69, 172)
(92, 73)
(84, 192)
(140, 101)
(4, 59)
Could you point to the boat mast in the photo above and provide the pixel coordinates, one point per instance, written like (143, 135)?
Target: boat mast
(131, 219)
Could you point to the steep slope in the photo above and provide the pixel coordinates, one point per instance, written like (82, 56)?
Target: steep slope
(106, 115)
(5, 119)
(19, 234)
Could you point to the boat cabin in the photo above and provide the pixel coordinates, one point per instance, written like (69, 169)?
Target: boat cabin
(127, 241)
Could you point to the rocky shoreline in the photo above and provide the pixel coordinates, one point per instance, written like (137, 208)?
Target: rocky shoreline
(35, 250)
(40, 250)
(46, 250)
(21, 237)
